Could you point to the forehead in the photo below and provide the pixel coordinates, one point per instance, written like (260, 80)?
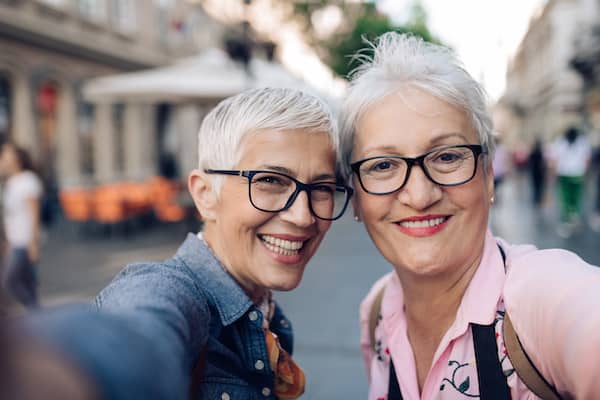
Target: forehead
(411, 121)
(287, 148)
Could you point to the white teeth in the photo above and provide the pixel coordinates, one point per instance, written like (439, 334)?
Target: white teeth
(423, 224)
(282, 246)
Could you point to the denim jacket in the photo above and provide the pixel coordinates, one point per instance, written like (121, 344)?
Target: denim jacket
(192, 309)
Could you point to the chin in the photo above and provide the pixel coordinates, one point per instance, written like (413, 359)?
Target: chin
(286, 285)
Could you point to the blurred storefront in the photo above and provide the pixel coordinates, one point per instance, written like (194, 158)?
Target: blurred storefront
(48, 48)
(586, 61)
(544, 93)
(180, 95)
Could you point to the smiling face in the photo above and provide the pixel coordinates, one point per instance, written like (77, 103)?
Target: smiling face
(423, 229)
(264, 250)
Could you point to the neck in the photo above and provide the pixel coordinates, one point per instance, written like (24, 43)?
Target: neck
(14, 171)
(255, 292)
(431, 303)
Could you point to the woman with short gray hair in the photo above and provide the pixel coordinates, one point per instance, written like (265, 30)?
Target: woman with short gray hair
(416, 143)
(267, 189)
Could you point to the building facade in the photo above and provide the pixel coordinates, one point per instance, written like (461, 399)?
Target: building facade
(48, 48)
(544, 93)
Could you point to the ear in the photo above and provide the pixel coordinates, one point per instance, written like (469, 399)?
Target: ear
(205, 199)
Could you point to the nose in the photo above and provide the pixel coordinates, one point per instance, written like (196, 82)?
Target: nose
(299, 212)
(419, 192)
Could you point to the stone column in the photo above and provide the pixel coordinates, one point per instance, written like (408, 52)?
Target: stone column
(23, 131)
(139, 137)
(68, 149)
(133, 141)
(187, 123)
(104, 144)
(149, 148)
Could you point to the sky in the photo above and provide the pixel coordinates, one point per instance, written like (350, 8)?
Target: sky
(484, 33)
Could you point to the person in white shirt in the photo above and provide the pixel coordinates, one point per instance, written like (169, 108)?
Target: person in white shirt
(21, 216)
(570, 158)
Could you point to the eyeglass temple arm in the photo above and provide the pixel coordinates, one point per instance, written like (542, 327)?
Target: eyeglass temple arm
(225, 172)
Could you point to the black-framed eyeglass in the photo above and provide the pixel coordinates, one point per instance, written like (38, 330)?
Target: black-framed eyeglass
(272, 191)
(445, 166)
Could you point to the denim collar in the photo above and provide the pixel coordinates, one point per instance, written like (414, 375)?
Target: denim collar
(229, 298)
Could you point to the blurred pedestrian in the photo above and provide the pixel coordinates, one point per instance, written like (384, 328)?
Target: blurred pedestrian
(21, 211)
(417, 144)
(595, 218)
(537, 172)
(501, 165)
(570, 157)
(267, 189)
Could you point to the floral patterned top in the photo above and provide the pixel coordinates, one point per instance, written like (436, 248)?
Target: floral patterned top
(547, 292)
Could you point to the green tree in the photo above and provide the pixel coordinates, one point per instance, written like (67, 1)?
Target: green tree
(362, 21)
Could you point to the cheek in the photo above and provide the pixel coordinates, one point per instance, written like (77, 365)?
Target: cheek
(323, 226)
(370, 208)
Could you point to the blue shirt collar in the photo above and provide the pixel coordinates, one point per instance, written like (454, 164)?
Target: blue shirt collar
(229, 298)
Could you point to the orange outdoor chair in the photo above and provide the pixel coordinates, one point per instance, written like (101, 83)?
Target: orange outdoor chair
(76, 204)
(137, 198)
(170, 213)
(165, 200)
(109, 204)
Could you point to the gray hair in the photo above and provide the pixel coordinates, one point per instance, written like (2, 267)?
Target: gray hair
(402, 59)
(225, 126)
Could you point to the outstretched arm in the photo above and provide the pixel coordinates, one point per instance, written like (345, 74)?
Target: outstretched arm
(552, 298)
(165, 306)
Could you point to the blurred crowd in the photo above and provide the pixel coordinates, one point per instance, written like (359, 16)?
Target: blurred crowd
(562, 173)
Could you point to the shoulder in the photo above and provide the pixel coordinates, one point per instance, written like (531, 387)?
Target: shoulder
(526, 264)
(551, 296)
(541, 283)
(27, 183)
(367, 302)
(33, 184)
(167, 284)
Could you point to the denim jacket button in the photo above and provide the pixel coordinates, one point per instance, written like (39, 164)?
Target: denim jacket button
(259, 364)
(266, 391)
(253, 315)
(225, 396)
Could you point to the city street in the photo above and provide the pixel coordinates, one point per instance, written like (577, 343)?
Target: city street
(324, 308)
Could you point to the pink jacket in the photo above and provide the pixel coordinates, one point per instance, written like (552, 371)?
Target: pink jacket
(553, 298)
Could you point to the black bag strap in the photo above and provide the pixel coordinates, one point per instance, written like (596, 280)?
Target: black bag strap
(492, 382)
(393, 385)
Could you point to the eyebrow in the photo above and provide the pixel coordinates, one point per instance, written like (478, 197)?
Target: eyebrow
(434, 141)
(447, 136)
(289, 172)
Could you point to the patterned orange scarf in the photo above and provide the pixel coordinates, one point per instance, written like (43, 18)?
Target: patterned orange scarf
(289, 377)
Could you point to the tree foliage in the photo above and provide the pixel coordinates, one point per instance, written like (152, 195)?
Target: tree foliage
(362, 22)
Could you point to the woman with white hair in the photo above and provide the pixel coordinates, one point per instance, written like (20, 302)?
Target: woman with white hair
(416, 140)
(267, 188)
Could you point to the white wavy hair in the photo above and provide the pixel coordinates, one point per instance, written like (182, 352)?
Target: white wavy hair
(282, 109)
(401, 60)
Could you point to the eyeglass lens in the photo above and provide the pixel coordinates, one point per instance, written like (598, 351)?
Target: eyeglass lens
(270, 191)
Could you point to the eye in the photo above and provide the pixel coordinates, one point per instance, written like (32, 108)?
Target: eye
(269, 179)
(449, 156)
(323, 187)
(380, 165)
